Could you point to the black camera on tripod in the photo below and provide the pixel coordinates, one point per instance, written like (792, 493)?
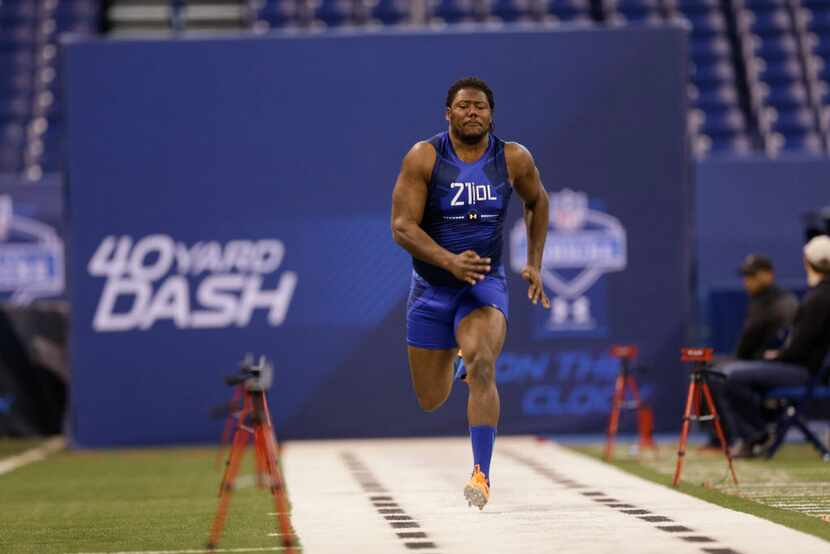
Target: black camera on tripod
(255, 377)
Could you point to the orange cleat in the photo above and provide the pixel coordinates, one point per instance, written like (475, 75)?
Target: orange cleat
(477, 490)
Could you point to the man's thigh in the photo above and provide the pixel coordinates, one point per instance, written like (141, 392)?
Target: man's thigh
(765, 374)
(430, 368)
(482, 331)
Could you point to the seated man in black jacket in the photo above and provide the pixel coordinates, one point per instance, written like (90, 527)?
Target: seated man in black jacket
(801, 356)
(769, 316)
(771, 309)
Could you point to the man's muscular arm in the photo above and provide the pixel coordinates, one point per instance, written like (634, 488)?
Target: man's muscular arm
(528, 185)
(408, 203)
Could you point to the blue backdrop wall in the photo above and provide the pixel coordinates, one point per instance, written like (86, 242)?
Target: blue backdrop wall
(228, 196)
(751, 206)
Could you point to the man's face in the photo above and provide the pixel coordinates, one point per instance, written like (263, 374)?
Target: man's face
(758, 281)
(470, 115)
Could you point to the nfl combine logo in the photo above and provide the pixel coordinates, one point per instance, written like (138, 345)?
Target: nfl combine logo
(31, 257)
(583, 244)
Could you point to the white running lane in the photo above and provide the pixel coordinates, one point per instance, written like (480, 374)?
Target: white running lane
(538, 504)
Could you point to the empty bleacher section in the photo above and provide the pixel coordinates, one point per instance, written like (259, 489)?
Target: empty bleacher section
(759, 70)
(126, 17)
(31, 123)
(812, 24)
(772, 52)
(717, 121)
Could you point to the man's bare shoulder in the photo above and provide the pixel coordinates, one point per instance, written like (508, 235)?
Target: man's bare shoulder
(516, 152)
(518, 157)
(420, 158)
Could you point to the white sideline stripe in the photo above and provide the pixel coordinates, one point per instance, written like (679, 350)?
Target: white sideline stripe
(32, 455)
(200, 551)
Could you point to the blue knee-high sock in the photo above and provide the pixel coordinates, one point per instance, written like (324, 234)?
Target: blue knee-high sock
(483, 437)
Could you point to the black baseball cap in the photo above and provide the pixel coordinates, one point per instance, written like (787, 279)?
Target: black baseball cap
(754, 263)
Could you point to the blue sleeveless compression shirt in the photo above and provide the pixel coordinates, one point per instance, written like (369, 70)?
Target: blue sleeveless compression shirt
(466, 206)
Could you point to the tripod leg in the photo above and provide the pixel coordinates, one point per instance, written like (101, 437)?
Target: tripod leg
(613, 422)
(259, 458)
(684, 432)
(226, 433)
(240, 441)
(719, 429)
(277, 485)
(645, 419)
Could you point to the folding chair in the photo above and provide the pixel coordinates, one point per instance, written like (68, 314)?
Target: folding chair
(794, 401)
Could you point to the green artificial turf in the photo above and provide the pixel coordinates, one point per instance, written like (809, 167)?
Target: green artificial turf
(128, 500)
(11, 447)
(792, 489)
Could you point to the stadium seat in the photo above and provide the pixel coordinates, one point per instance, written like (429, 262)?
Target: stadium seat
(15, 107)
(334, 12)
(764, 5)
(569, 10)
(818, 21)
(774, 47)
(774, 22)
(391, 12)
(729, 122)
(695, 6)
(806, 143)
(279, 13)
(510, 10)
(712, 74)
(707, 24)
(11, 160)
(822, 69)
(633, 11)
(717, 99)
(799, 121)
(453, 11)
(775, 72)
(819, 45)
(793, 400)
(706, 51)
(729, 144)
(787, 96)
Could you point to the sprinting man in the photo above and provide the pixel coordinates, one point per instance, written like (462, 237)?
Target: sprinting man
(448, 210)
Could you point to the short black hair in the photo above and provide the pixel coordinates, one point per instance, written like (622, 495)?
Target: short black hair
(471, 82)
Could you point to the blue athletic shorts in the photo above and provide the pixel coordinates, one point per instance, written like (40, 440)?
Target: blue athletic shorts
(434, 312)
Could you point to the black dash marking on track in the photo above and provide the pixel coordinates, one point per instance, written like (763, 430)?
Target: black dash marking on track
(601, 497)
(657, 519)
(697, 538)
(419, 545)
(386, 505)
(547, 472)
